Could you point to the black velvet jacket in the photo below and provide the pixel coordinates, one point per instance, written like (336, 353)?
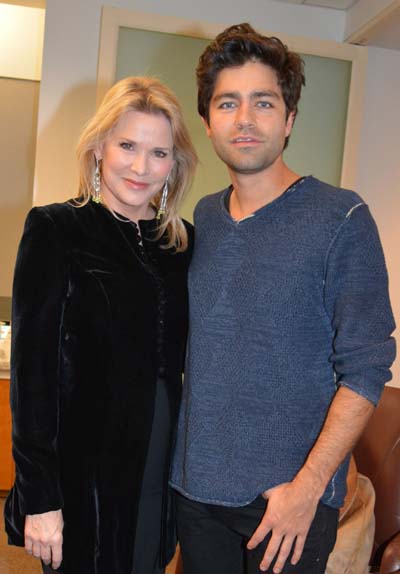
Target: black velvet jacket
(97, 318)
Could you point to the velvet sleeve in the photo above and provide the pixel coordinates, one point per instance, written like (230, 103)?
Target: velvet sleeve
(38, 293)
(357, 302)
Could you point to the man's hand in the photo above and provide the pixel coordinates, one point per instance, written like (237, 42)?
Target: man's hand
(292, 505)
(289, 514)
(43, 536)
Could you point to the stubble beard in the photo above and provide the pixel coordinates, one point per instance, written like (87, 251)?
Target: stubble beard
(249, 162)
(249, 167)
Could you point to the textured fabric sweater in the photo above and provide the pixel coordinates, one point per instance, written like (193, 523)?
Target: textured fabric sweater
(285, 306)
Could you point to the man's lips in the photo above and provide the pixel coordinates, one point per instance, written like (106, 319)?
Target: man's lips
(136, 184)
(245, 140)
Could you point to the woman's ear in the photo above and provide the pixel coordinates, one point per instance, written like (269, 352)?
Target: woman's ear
(172, 171)
(98, 153)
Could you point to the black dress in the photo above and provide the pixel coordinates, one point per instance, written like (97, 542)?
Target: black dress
(111, 314)
(149, 523)
(148, 543)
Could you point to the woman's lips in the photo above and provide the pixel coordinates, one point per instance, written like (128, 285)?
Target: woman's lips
(136, 184)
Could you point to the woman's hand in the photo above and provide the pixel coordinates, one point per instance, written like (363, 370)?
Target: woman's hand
(43, 536)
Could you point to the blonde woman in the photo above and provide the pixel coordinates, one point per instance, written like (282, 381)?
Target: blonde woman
(99, 329)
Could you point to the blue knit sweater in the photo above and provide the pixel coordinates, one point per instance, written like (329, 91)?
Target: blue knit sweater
(285, 305)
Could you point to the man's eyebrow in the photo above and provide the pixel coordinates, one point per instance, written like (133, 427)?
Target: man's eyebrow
(266, 94)
(228, 95)
(254, 95)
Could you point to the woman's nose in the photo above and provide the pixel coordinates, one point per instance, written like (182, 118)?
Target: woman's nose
(139, 164)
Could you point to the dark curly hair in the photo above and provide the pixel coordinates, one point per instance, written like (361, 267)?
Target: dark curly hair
(237, 45)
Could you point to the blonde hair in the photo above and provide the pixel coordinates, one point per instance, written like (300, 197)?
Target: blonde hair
(148, 95)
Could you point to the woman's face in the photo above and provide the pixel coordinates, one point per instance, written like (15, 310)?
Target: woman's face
(137, 157)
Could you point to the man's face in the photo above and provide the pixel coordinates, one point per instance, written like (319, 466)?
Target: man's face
(248, 123)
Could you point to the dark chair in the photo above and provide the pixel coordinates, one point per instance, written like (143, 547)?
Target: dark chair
(377, 456)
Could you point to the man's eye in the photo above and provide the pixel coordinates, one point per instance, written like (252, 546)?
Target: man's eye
(227, 105)
(263, 104)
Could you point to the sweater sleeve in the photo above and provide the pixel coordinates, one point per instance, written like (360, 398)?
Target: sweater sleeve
(357, 302)
(38, 292)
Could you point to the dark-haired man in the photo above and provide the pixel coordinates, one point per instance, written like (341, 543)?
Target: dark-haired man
(290, 338)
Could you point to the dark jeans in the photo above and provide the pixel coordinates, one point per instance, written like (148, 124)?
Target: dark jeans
(213, 538)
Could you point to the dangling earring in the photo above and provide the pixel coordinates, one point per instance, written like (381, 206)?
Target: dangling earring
(163, 204)
(96, 195)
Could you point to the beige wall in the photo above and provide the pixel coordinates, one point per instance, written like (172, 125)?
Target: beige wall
(18, 115)
(379, 164)
(21, 41)
(69, 80)
(68, 85)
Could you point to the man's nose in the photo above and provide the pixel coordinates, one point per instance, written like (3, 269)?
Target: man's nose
(244, 117)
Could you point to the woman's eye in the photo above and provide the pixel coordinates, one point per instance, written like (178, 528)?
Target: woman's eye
(126, 145)
(160, 153)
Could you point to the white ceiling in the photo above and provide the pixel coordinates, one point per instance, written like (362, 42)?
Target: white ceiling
(384, 32)
(337, 4)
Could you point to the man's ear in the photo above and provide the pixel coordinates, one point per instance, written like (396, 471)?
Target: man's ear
(289, 123)
(207, 126)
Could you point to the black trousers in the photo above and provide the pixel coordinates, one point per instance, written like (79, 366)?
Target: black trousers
(213, 538)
